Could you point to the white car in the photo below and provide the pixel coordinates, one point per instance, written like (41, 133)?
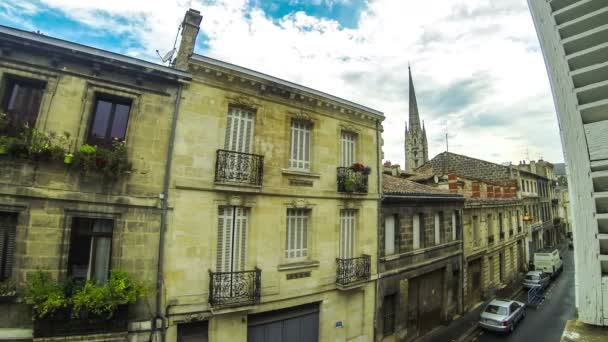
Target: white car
(501, 315)
(549, 261)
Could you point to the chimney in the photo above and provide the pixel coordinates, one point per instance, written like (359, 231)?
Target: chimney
(190, 26)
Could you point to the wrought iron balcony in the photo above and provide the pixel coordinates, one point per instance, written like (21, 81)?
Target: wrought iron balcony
(490, 239)
(353, 270)
(351, 180)
(239, 168)
(235, 288)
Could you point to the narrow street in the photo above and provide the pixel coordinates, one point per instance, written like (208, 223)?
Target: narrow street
(547, 322)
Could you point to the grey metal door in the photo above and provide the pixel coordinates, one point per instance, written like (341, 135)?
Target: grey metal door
(193, 332)
(298, 324)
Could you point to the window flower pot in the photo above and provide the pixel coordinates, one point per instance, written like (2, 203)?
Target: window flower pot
(68, 158)
(3, 150)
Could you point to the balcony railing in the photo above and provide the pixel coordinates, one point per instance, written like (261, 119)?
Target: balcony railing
(502, 236)
(239, 168)
(235, 288)
(353, 270)
(490, 239)
(352, 181)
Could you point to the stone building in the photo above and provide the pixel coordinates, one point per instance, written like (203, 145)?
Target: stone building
(54, 217)
(416, 145)
(573, 36)
(420, 259)
(493, 231)
(274, 207)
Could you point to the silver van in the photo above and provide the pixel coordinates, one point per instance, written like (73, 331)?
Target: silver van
(536, 279)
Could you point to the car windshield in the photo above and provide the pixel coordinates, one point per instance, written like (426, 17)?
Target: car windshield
(497, 310)
(532, 277)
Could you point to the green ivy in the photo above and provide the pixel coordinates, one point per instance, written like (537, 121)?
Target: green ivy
(46, 295)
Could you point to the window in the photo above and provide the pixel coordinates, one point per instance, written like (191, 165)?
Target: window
(300, 145)
(491, 268)
(21, 103)
(109, 121)
(523, 185)
(418, 231)
(389, 235)
(438, 226)
(90, 249)
(489, 224)
(297, 233)
(500, 223)
(232, 238)
(475, 220)
(239, 130)
(8, 230)
(455, 222)
(388, 313)
(348, 149)
(348, 233)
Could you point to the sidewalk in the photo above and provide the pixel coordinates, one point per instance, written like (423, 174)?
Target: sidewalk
(459, 329)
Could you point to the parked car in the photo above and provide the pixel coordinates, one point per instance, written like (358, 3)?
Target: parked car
(549, 261)
(536, 279)
(570, 244)
(501, 315)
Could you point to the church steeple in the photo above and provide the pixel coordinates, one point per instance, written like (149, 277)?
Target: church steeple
(414, 116)
(416, 146)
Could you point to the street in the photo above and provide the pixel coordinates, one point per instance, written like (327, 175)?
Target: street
(547, 322)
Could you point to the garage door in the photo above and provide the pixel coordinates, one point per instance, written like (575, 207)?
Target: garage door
(297, 324)
(425, 296)
(193, 332)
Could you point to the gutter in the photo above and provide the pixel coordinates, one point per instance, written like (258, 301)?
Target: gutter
(378, 225)
(164, 197)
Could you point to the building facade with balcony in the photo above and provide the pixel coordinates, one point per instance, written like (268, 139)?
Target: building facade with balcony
(493, 231)
(77, 205)
(420, 259)
(274, 209)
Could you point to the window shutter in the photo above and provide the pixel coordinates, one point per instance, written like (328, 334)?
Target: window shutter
(224, 239)
(8, 227)
(437, 229)
(297, 233)
(348, 149)
(416, 243)
(239, 130)
(300, 145)
(240, 239)
(348, 234)
(454, 226)
(389, 235)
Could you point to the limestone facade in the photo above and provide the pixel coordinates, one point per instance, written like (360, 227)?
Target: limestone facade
(259, 232)
(47, 199)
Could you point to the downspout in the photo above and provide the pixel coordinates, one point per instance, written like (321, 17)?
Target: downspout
(462, 260)
(378, 185)
(160, 314)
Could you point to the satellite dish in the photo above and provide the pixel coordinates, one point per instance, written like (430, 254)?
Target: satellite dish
(167, 56)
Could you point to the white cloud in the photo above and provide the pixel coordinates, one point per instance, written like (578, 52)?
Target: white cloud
(490, 44)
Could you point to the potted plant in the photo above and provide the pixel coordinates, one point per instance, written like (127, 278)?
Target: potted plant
(4, 144)
(85, 157)
(65, 142)
(350, 182)
(7, 291)
(358, 167)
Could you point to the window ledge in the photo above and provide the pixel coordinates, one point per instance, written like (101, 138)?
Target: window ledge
(298, 265)
(293, 172)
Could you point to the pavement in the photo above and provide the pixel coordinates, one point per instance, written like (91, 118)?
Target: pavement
(458, 330)
(465, 328)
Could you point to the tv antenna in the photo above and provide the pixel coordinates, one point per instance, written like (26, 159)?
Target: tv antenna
(169, 55)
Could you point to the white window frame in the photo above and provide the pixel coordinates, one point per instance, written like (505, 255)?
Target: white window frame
(298, 226)
(348, 148)
(389, 235)
(239, 130)
(299, 151)
(416, 224)
(348, 233)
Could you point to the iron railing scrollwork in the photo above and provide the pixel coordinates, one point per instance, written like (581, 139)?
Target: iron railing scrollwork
(351, 180)
(239, 168)
(353, 270)
(235, 288)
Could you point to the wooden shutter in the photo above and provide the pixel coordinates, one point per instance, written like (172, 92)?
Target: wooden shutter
(224, 239)
(300, 145)
(348, 231)
(297, 233)
(454, 226)
(239, 130)
(232, 239)
(389, 235)
(8, 228)
(348, 149)
(416, 223)
(240, 238)
(437, 228)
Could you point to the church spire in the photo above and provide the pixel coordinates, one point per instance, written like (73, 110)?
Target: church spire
(414, 122)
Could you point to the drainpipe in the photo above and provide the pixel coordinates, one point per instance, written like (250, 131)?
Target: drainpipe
(160, 312)
(462, 260)
(378, 185)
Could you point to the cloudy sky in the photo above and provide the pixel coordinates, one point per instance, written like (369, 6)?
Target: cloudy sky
(478, 69)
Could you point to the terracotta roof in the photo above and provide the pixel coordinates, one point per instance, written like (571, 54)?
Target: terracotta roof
(400, 186)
